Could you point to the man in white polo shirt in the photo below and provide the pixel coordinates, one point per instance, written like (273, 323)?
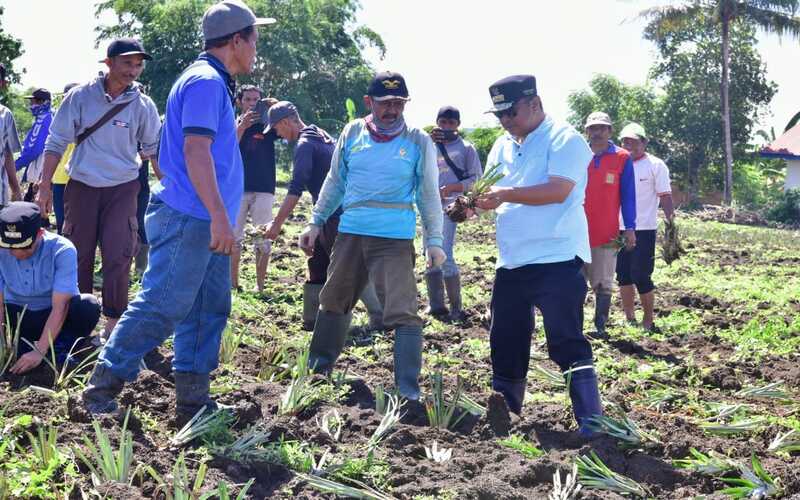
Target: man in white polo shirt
(635, 267)
(543, 241)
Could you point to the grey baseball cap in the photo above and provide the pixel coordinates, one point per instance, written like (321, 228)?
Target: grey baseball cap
(230, 16)
(278, 112)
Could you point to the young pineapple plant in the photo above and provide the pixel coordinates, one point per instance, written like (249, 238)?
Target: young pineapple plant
(629, 434)
(710, 464)
(441, 411)
(594, 474)
(565, 489)
(103, 462)
(752, 483)
(9, 342)
(459, 209)
(671, 247)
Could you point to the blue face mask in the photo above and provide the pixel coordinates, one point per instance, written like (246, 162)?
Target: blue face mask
(37, 108)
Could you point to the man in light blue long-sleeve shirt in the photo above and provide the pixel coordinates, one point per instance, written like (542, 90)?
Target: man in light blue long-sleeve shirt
(379, 170)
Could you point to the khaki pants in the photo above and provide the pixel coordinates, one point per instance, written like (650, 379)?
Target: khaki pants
(600, 272)
(388, 263)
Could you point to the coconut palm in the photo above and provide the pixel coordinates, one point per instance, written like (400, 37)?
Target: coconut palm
(773, 16)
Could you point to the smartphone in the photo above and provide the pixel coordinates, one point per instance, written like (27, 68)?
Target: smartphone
(449, 135)
(261, 109)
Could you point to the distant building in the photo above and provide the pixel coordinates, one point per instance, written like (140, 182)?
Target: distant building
(787, 147)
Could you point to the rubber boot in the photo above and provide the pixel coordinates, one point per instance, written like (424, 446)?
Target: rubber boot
(453, 286)
(103, 387)
(585, 395)
(435, 281)
(310, 305)
(141, 259)
(512, 390)
(408, 360)
(369, 297)
(191, 394)
(330, 333)
(602, 307)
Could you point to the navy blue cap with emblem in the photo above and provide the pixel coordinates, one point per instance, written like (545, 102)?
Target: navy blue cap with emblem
(506, 92)
(388, 85)
(20, 221)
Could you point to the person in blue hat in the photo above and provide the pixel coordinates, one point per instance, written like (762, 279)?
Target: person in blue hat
(543, 241)
(39, 294)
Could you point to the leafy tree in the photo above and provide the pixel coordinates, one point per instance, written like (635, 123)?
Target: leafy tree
(689, 70)
(776, 16)
(10, 49)
(483, 139)
(311, 56)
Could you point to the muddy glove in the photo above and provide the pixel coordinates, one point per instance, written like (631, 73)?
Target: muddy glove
(435, 256)
(308, 237)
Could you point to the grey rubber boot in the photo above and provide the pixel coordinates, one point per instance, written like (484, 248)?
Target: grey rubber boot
(310, 305)
(191, 394)
(602, 307)
(408, 360)
(330, 333)
(435, 281)
(142, 258)
(100, 393)
(453, 286)
(585, 395)
(513, 390)
(374, 307)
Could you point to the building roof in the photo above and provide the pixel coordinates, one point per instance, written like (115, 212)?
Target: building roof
(787, 146)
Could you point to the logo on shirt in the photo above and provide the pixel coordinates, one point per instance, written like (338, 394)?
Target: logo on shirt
(610, 178)
(402, 152)
(120, 123)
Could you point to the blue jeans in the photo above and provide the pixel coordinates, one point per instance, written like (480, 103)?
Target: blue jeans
(186, 290)
(449, 268)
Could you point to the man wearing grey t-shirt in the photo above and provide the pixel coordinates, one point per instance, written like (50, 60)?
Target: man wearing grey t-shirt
(459, 168)
(9, 144)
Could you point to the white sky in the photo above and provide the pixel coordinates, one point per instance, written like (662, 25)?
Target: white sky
(448, 50)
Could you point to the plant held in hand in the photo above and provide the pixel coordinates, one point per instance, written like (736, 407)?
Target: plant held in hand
(459, 209)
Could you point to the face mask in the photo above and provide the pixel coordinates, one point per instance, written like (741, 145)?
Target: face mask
(36, 108)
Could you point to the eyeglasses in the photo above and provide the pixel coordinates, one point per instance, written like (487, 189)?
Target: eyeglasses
(510, 112)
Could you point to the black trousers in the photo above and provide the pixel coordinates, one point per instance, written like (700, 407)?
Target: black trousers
(636, 267)
(82, 316)
(558, 290)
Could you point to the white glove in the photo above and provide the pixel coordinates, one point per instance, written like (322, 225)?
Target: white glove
(308, 237)
(435, 256)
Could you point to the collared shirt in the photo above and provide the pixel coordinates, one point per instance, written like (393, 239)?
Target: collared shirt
(541, 234)
(652, 181)
(53, 267)
(377, 183)
(465, 157)
(611, 188)
(9, 143)
(200, 104)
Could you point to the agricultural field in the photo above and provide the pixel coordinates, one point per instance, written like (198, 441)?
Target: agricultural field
(712, 402)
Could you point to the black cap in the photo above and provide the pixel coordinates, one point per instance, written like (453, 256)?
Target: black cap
(20, 221)
(449, 112)
(506, 92)
(126, 47)
(388, 85)
(42, 94)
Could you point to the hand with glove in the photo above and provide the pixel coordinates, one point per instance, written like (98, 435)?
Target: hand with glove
(308, 238)
(435, 256)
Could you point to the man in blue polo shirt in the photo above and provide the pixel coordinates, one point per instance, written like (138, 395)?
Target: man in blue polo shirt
(379, 169)
(543, 239)
(39, 288)
(186, 287)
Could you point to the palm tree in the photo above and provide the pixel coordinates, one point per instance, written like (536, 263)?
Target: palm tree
(773, 16)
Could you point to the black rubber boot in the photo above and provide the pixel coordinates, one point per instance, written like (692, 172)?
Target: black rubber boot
(100, 393)
(585, 395)
(435, 281)
(453, 286)
(310, 305)
(602, 307)
(330, 333)
(191, 394)
(512, 390)
(408, 360)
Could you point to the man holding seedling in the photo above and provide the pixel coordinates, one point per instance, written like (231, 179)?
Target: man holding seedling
(39, 289)
(635, 267)
(543, 241)
(609, 189)
(380, 167)
(459, 168)
(312, 161)
(186, 287)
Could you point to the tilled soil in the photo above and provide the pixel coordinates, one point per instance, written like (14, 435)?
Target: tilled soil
(480, 467)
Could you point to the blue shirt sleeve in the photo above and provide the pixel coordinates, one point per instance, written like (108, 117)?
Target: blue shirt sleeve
(627, 194)
(302, 169)
(569, 156)
(34, 142)
(202, 106)
(65, 277)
